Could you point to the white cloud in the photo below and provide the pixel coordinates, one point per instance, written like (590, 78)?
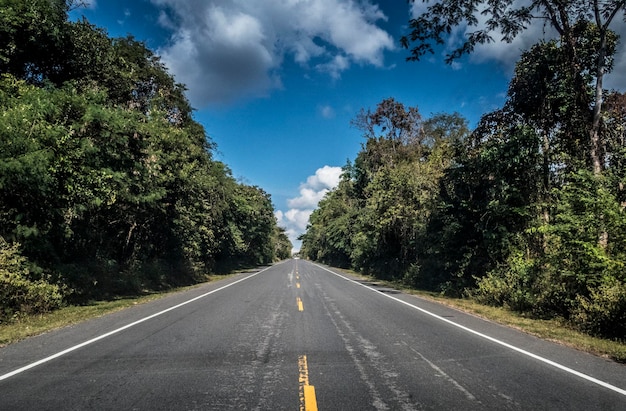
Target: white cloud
(295, 220)
(335, 67)
(507, 54)
(308, 198)
(312, 191)
(326, 177)
(226, 49)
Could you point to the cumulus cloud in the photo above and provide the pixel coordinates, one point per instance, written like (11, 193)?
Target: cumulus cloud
(294, 221)
(312, 191)
(326, 177)
(227, 49)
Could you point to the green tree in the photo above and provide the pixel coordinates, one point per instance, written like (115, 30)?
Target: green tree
(250, 225)
(21, 292)
(32, 38)
(376, 219)
(106, 181)
(282, 244)
(551, 263)
(510, 18)
(330, 234)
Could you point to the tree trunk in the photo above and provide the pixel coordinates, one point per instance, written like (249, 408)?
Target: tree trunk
(597, 146)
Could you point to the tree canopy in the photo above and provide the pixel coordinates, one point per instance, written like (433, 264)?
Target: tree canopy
(510, 213)
(108, 185)
(582, 26)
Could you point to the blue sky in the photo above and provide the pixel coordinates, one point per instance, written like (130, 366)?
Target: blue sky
(276, 82)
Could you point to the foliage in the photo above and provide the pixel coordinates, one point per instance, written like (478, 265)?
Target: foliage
(512, 214)
(32, 38)
(584, 35)
(250, 227)
(20, 291)
(603, 312)
(506, 18)
(282, 244)
(106, 181)
(376, 219)
(511, 285)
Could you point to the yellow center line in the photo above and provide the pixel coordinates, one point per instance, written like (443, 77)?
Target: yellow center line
(297, 285)
(300, 305)
(308, 401)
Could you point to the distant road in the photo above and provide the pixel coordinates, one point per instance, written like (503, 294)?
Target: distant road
(300, 336)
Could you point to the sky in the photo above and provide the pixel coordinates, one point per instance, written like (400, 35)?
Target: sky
(276, 83)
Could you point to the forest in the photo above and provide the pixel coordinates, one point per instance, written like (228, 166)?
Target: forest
(108, 187)
(525, 211)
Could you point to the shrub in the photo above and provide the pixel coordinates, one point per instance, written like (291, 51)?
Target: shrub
(510, 285)
(603, 313)
(20, 294)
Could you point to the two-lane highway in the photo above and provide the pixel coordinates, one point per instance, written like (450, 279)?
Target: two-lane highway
(300, 336)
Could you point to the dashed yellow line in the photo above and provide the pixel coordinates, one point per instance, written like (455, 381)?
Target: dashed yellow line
(308, 401)
(306, 394)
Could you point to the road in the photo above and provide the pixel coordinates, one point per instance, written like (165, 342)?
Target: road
(298, 335)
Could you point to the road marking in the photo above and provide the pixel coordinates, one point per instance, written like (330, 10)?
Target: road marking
(297, 285)
(300, 305)
(487, 337)
(118, 330)
(308, 400)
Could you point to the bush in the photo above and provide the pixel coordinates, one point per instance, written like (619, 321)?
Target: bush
(510, 285)
(19, 294)
(603, 313)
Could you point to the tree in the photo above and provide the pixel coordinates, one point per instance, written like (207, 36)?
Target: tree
(282, 244)
(330, 233)
(376, 220)
(32, 38)
(510, 18)
(106, 181)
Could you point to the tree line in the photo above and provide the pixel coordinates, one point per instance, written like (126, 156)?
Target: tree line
(525, 211)
(107, 184)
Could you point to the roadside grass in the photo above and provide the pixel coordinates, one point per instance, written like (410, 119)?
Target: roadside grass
(554, 330)
(31, 325)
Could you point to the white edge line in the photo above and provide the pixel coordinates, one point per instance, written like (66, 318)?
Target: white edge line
(110, 333)
(502, 343)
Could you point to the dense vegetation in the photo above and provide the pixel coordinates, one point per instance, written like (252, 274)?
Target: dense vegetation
(107, 184)
(518, 212)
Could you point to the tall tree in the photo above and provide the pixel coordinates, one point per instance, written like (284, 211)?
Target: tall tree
(509, 18)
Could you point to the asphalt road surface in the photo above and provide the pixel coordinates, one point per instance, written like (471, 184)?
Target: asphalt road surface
(300, 336)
